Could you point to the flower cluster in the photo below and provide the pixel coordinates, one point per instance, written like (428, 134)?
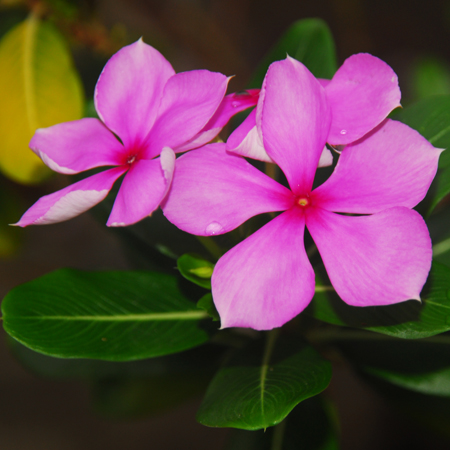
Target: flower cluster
(375, 247)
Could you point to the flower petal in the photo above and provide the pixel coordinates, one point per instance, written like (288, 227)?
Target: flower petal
(246, 141)
(72, 200)
(362, 93)
(267, 279)
(231, 105)
(214, 192)
(73, 147)
(373, 260)
(294, 119)
(189, 101)
(142, 190)
(129, 90)
(393, 166)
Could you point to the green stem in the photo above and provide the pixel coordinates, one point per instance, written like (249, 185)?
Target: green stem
(278, 436)
(271, 170)
(211, 246)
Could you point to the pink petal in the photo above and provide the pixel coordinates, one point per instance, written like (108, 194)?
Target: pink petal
(199, 140)
(72, 200)
(373, 260)
(393, 166)
(246, 141)
(267, 279)
(362, 93)
(324, 82)
(214, 192)
(231, 105)
(294, 119)
(189, 101)
(129, 90)
(142, 190)
(73, 147)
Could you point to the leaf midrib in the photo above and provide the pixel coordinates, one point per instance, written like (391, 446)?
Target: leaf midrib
(182, 315)
(268, 350)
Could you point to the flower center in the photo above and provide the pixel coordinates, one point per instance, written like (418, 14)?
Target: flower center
(303, 202)
(131, 159)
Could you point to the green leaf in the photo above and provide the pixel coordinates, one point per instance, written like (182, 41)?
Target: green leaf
(433, 383)
(207, 304)
(310, 42)
(407, 320)
(40, 88)
(420, 365)
(430, 76)
(196, 269)
(310, 426)
(431, 118)
(116, 316)
(260, 384)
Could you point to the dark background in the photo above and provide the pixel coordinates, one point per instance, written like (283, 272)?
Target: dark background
(230, 36)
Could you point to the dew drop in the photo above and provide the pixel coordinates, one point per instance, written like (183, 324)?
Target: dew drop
(213, 228)
(343, 132)
(234, 104)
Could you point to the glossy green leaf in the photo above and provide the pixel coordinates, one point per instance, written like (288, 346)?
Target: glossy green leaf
(309, 426)
(116, 316)
(39, 88)
(431, 118)
(408, 320)
(433, 383)
(260, 384)
(196, 269)
(310, 42)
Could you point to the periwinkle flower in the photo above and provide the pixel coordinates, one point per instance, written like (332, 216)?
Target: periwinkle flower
(379, 253)
(155, 113)
(361, 94)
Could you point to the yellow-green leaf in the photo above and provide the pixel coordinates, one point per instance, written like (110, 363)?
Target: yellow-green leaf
(39, 87)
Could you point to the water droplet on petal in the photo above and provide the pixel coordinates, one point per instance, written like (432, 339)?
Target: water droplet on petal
(213, 228)
(343, 132)
(234, 104)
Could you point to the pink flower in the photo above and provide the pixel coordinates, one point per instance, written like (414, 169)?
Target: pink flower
(361, 94)
(378, 255)
(155, 113)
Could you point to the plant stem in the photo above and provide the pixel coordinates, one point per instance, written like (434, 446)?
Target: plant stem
(278, 436)
(211, 246)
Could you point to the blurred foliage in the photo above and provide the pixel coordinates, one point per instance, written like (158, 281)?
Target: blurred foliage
(40, 88)
(430, 76)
